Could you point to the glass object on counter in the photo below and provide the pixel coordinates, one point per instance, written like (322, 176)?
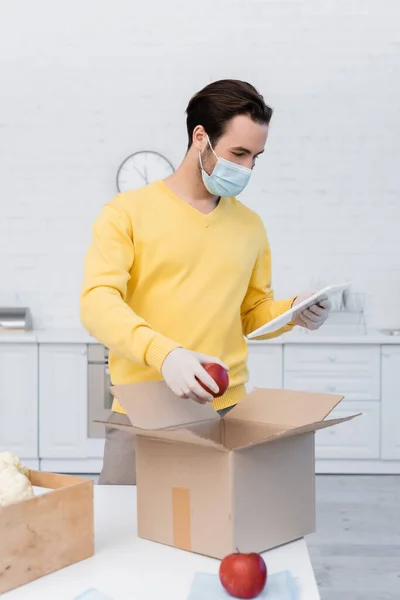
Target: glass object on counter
(347, 314)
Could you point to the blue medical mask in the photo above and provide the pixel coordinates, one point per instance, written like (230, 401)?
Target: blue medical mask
(227, 179)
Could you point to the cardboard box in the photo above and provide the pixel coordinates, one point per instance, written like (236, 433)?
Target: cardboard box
(211, 485)
(47, 532)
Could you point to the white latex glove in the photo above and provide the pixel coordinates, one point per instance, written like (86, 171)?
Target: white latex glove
(315, 316)
(180, 369)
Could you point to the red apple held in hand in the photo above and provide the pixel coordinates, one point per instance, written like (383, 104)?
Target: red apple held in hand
(220, 376)
(243, 575)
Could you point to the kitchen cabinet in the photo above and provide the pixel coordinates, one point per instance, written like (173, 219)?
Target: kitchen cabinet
(265, 364)
(366, 374)
(351, 370)
(355, 439)
(64, 444)
(19, 401)
(390, 402)
(44, 398)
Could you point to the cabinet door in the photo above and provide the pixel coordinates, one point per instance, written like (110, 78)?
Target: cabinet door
(265, 366)
(355, 439)
(391, 402)
(19, 399)
(63, 400)
(353, 370)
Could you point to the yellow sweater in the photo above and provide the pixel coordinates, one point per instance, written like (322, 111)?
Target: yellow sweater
(159, 275)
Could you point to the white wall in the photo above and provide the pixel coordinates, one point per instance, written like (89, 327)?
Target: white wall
(85, 83)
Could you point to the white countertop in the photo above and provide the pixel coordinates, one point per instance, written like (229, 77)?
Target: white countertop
(16, 337)
(125, 567)
(64, 336)
(297, 336)
(48, 336)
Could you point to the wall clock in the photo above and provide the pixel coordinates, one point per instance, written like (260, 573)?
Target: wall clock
(141, 168)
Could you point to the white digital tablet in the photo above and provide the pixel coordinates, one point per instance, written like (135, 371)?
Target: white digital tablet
(291, 314)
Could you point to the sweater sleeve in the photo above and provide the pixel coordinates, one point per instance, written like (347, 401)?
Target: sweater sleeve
(259, 305)
(103, 308)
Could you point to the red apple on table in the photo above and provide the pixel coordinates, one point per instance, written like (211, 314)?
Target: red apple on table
(220, 376)
(243, 575)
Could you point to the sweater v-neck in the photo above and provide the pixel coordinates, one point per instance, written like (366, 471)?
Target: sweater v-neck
(205, 219)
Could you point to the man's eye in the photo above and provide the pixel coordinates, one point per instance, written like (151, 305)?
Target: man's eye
(238, 153)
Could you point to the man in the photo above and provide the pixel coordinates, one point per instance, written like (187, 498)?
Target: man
(179, 271)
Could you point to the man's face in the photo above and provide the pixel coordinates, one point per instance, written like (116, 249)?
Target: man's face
(242, 143)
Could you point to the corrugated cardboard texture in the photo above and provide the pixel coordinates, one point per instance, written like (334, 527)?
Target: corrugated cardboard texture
(284, 407)
(231, 434)
(313, 427)
(46, 532)
(163, 466)
(211, 485)
(181, 523)
(199, 499)
(264, 415)
(274, 495)
(239, 434)
(53, 481)
(152, 405)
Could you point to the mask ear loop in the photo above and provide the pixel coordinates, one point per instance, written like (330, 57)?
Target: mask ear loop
(201, 162)
(212, 150)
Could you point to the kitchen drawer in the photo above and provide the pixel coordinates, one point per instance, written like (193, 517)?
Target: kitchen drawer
(332, 358)
(354, 371)
(265, 364)
(355, 439)
(351, 385)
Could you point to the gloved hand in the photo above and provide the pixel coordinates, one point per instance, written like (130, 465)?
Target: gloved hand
(180, 369)
(315, 316)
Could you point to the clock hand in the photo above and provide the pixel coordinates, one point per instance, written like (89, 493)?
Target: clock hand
(145, 175)
(137, 171)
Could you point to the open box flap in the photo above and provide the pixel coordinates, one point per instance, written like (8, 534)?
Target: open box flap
(153, 406)
(173, 435)
(284, 407)
(316, 426)
(311, 427)
(185, 436)
(247, 434)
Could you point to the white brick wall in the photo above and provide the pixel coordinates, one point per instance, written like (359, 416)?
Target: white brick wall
(85, 83)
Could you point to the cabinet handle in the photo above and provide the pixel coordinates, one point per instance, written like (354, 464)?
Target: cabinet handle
(332, 388)
(332, 359)
(83, 352)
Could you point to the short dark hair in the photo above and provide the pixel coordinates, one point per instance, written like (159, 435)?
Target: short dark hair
(216, 104)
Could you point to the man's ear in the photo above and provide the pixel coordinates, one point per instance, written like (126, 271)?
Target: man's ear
(199, 139)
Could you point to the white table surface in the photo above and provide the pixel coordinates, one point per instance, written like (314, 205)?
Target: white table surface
(125, 567)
